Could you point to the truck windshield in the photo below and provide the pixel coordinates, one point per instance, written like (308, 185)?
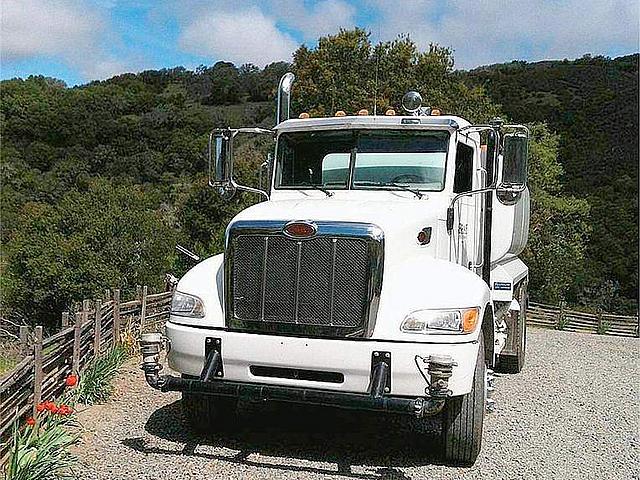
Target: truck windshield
(376, 159)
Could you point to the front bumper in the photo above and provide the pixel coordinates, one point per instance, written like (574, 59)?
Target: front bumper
(351, 358)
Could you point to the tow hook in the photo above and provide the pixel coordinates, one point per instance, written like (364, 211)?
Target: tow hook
(150, 347)
(439, 369)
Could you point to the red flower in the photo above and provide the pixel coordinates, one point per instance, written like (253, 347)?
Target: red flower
(51, 407)
(65, 410)
(71, 380)
(40, 407)
(31, 421)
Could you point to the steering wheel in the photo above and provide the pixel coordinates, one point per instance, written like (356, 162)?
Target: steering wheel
(407, 178)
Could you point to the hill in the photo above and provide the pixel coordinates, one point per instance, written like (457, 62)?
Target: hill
(592, 103)
(100, 181)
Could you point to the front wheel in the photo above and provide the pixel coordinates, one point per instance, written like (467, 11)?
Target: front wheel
(463, 417)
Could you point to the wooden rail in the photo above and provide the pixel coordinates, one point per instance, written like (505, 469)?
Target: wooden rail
(85, 334)
(561, 318)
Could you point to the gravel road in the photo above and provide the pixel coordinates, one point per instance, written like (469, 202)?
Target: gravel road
(574, 412)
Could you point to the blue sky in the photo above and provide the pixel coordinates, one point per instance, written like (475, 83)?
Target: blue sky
(79, 41)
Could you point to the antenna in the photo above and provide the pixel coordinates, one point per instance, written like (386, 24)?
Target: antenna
(375, 91)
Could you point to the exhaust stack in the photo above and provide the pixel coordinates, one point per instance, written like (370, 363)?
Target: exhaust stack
(284, 97)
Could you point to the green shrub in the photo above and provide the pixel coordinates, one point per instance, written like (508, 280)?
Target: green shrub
(96, 383)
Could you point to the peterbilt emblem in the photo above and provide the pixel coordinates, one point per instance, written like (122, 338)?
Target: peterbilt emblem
(300, 229)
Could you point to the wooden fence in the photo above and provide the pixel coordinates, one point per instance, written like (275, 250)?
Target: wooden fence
(94, 328)
(560, 318)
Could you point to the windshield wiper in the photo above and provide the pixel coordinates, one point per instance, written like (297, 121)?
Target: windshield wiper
(415, 191)
(318, 187)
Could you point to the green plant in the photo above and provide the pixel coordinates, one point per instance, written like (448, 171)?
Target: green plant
(40, 450)
(96, 382)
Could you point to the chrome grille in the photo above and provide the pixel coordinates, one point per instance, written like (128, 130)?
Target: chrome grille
(327, 285)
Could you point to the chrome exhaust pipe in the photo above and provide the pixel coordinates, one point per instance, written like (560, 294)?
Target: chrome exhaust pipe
(283, 109)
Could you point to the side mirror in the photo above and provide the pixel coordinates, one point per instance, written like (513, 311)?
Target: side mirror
(514, 161)
(221, 160)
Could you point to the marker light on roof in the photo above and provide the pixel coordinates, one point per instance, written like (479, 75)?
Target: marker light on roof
(436, 112)
(303, 115)
(340, 113)
(364, 111)
(411, 102)
(390, 112)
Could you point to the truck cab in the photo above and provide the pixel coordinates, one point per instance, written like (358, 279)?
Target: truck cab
(380, 272)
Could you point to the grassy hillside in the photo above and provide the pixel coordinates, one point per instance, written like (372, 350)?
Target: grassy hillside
(100, 181)
(592, 103)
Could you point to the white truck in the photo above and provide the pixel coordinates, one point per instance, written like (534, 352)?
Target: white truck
(380, 273)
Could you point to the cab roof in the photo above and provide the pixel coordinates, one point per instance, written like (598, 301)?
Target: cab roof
(423, 122)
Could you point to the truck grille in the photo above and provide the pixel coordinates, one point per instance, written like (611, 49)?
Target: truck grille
(326, 285)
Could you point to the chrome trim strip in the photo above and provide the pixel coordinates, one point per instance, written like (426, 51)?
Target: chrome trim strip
(334, 242)
(264, 277)
(297, 289)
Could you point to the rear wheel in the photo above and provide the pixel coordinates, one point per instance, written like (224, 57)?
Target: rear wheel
(513, 361)
(463, 417)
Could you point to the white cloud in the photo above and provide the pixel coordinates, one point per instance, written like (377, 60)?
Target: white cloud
(246, 36)
(496, 31)
(71, 31)
(322, 18)
(31, 28)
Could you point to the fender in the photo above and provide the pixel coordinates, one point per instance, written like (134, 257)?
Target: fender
(205, 280)
(426, 283)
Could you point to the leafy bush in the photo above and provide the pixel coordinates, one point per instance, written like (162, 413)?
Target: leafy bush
(96, 383)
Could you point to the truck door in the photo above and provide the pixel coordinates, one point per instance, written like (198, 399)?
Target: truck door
(467, 242)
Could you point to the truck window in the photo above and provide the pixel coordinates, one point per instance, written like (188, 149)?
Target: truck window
(414, 158)
(316, 158)
(463, 180)
(382, 157)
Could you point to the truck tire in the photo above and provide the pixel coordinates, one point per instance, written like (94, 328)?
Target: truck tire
(514, 361)
(463, 417)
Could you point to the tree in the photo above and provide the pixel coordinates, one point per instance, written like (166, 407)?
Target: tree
(346, 72)
(110, 235)
(559, 226)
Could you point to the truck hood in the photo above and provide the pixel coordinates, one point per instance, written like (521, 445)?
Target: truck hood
(400, 218)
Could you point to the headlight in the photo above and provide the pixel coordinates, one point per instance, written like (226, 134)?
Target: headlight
(441, 321)
(186, 305)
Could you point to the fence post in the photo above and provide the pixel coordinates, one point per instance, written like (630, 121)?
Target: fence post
(65, 319)
(97, 328)
(37, 369)
(560, 323)
(107, 294)
(24, 339)
(600, 327)
(81, 317)
(143, 308)
(116, 316)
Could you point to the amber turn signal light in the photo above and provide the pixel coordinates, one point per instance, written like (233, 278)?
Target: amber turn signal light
(469, 320)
